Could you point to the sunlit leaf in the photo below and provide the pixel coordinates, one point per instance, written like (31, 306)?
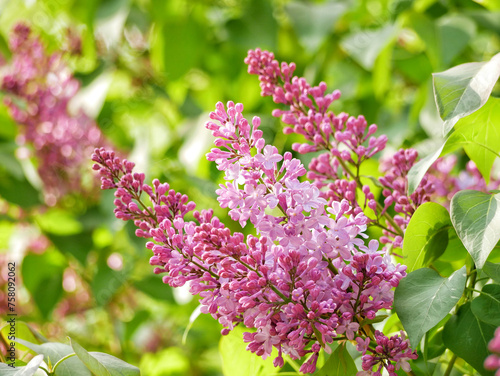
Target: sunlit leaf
(423, 298)
(479, 134)
(426, 237)
(463, 89)
(236, 360)
(476, 218)
(340, 363)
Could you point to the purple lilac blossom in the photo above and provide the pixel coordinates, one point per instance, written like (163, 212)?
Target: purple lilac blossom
(345, 142)
(39, 87)
(305, 280)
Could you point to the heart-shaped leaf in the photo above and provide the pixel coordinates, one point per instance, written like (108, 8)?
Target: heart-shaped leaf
(463, 89)
(423, 298)
(476, 218)
(468, 338)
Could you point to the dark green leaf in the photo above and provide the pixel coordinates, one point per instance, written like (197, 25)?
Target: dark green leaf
(104, 364)
(476, 218)
(424, 298)
(463, 89)
(492, 271)
(78, 245)
(486, 307)
(43, 275)
(426, 237)
(154, 287)
(340, 363)
(468, 338)
(18, 190)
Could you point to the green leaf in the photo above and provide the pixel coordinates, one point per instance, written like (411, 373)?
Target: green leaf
(23, 331)
(468, 338)
(55, 351)
(340, 363)
(236, 360)
(382, 70)
(78, 245)
(423, 298)
(153, 286)
(492, 271)
(18, 190)
(479, 134)
(455, 32)
(177, 47)
(256, 27)
(476, 218)
(43, 275)
(486, 19)
(419, 169)
(313, 22)
(58, 222)
(486, 307)
(463, 89)
(104, 364)
(426, 237)
(365, 46)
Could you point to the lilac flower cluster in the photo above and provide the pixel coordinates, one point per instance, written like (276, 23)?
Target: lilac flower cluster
(395, 349)
(304, 280)
(492, 362)
(39, 88)
(446, 184)
(346, 141)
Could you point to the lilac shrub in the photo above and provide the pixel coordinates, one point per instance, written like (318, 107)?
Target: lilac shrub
(39, 87)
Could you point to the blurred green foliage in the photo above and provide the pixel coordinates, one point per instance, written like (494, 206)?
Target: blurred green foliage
(151, 70)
